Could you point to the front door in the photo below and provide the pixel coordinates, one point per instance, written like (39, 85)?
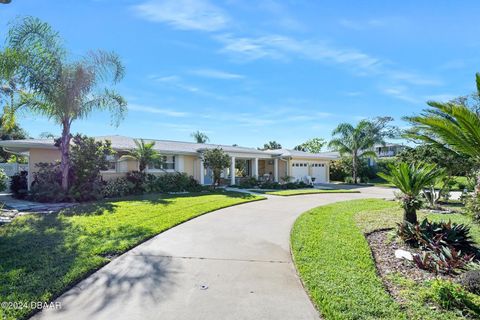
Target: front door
(208, 178)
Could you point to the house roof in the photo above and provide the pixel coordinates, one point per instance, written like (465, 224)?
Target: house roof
(302, 154)
(128, 143)
(121, 143)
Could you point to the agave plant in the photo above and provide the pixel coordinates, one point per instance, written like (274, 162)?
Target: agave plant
(411, 179)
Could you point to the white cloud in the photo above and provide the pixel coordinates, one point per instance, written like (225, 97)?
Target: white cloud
(155, 110)
(216, 74)
(353, 93)
(281, 47)
(413, 78)
(444, 97)
(184, 14)
(400, 92)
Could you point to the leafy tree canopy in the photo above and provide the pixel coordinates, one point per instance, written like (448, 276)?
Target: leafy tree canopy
(200, 137)
(314, 145)
(216, 160)
(271, 145)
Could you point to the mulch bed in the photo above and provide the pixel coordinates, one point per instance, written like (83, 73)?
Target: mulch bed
(383, 250)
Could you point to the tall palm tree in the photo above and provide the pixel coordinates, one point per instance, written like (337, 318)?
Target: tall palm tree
(411, 179)
(200, 137)
(65, 90)
(449, 125)
(356, 142)
(10, 86)
(145, 154)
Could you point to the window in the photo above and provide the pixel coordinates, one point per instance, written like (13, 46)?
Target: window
(112, 163)
(168, 163)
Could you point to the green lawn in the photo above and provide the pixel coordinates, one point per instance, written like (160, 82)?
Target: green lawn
(335, 263)
(41, 256)
(457, 182)
(296, 192)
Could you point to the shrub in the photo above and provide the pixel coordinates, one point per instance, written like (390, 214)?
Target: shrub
(435, 234)
(348, 180)
(47, 184)
(88, 157)
(441, 259)
(137, 182)
(451, 296)
(447, 247)
(472, 206)
(248, 182)
(118, 187)
(177, 182)
(287, 179)
(470, 280)
(3, 180)
(381, 165)
(19, 185)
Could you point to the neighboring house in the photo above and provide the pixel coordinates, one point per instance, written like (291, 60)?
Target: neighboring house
(388, 150)
(385, 151)
(187, 157)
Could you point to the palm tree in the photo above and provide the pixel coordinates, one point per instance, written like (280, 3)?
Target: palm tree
(145, 154)
(65, 90)
(411, 179)
(449, 125)
(10, 86)
(356, 141)
(200, 137)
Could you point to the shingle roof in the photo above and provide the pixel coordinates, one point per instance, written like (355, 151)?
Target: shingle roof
(167, 146)
(127, 143)
(302, 154)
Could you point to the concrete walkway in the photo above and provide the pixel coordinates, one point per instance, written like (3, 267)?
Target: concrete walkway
(234, 263)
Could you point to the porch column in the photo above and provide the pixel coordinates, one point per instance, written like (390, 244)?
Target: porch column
(232, 171)
(30, 173)
(275, 170)
(255, 168)
(179, 163)
(202, 172)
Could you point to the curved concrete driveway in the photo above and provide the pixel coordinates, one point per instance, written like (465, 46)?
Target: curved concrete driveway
(230, 264)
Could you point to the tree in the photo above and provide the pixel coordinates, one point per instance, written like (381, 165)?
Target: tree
(314, 145)
(216, 160)
(88, 158)
(64, 89)
(46, 135)
(145, 154)
(15, 133)
(271, 145)
(451, 126)
(453, 163)
(411, 179)
(356, 142)
(12, 93)
(200, 137)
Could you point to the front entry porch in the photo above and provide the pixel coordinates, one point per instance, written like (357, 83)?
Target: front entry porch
(263, 169)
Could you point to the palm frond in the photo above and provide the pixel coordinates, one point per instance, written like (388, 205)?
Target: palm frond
(412, 178)
(106, 100)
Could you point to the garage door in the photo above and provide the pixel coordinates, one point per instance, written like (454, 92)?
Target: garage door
(319, 172)
(299, 170)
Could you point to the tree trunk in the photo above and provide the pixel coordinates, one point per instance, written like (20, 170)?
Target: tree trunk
(354, 169)
(410, 215)
(65, 151)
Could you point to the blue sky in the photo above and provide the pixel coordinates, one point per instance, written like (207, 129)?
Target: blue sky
(246, 72)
